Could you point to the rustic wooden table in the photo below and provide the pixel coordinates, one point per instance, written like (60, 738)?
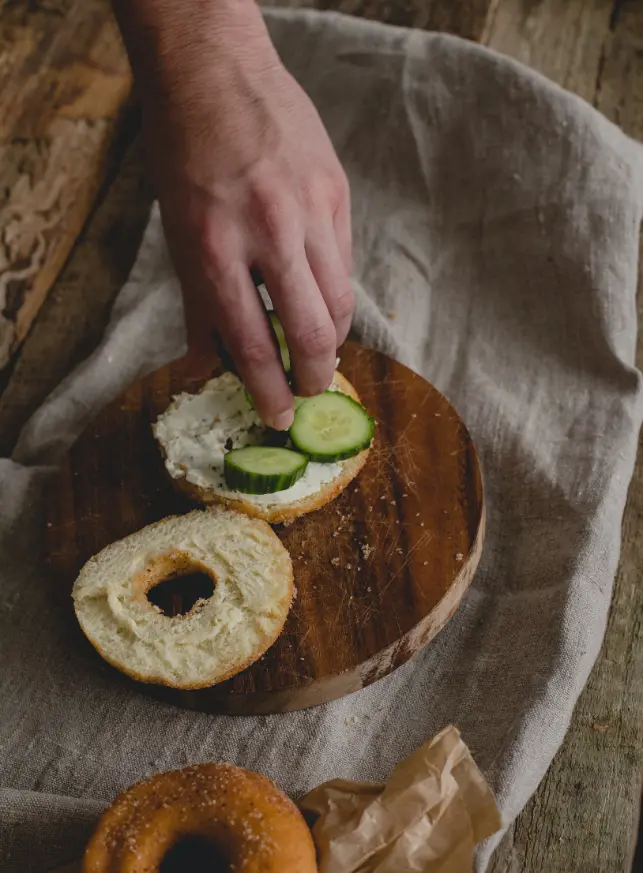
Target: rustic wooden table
(73, 204)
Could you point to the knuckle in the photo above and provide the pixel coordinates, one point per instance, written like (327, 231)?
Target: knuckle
(341, 190)
(317, 193)
(329, 191)
(216, 244)
(256, 353)
(317, 341)
(272, 215)
(343, 305)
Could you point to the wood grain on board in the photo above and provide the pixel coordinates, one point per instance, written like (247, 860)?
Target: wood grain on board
(63, 82)
(378, 571)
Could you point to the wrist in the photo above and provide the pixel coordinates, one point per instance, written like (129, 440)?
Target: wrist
(174, 44)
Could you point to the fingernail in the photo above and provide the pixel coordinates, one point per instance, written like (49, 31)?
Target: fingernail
(282, 420)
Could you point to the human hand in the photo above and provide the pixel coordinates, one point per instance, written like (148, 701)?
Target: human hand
(246, 178)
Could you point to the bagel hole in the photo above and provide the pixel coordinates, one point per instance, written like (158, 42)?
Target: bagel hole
(175, 582)
(178, 594)
(196, 855)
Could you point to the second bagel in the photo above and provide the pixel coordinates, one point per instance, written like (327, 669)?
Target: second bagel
(252, 578)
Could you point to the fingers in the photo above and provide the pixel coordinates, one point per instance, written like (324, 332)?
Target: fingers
(244, 326)
(241, 322)
(329, 248)
(343, 227)
(333, 279)
(199, 323)
(223, 311)
(310, 332)
(304, 257)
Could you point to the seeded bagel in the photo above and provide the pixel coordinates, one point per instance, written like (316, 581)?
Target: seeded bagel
(207, 816)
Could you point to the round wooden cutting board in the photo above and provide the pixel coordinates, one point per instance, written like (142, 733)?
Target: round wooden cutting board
(378, 571)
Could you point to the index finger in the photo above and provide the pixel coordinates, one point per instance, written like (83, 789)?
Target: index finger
(310, 332)
(243, 324)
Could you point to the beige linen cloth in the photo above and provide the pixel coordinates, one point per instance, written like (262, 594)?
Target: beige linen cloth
(498, 216)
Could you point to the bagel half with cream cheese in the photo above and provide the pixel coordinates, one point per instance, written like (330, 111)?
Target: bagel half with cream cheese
(196, 430)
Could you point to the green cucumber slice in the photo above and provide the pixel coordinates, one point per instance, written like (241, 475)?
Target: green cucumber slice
(280, 336)
(263, 469)
(331, 427)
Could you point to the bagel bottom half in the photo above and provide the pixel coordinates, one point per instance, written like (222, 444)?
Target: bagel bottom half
(195, 431)
(252, 578)
(212, 817)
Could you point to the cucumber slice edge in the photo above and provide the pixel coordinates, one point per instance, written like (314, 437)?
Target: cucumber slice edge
(343, 449)
(263, 469)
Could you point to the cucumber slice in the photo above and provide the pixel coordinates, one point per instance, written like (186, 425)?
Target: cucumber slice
(280, 336)
(263, 469)
(331, 427)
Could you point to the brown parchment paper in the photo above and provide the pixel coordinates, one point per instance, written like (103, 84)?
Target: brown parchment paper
(427, 818)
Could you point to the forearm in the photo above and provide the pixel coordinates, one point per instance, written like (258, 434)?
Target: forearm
(246, 177)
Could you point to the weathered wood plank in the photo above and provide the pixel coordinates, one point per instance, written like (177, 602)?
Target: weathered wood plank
(466, 18)
(583, 819)
(564, 41)
(619, 87)
(63, 79)
(76, 312)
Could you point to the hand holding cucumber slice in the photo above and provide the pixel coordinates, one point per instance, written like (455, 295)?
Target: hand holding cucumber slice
(280, 338)
(263, 469)
(328, 428)
(331, 427)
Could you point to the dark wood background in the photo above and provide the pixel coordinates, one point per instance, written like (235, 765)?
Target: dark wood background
(62, 83)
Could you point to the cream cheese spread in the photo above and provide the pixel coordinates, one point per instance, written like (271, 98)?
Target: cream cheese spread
(196, 430)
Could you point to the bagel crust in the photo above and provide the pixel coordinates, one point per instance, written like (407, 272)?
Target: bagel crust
(251, 826)
(281, 510)
(253, 590)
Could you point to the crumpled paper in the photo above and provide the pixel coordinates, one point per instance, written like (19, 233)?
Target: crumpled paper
(434, 809)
